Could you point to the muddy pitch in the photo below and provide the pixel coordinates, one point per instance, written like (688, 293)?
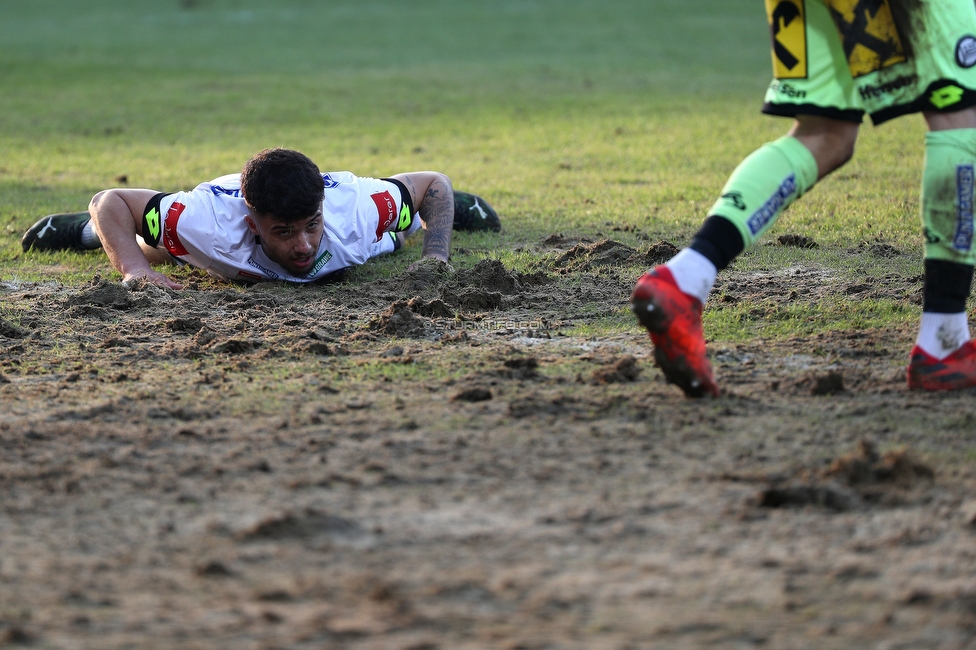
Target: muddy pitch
(432, 461)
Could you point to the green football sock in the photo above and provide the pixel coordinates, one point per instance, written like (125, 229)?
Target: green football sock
(765, 184)
(947, 195)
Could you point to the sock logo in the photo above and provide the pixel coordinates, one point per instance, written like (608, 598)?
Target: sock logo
(765, 215)
(735, 198)
(963, 239)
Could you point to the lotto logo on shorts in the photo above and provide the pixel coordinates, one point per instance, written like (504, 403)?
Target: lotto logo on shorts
(963, 239)
(787, 25)
(387, 209)
(869, 34)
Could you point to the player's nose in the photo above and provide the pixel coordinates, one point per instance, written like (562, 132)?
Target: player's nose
(303, 243)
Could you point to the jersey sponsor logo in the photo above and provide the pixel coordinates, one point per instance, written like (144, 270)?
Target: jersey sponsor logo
(965, 179)
(248, 276)
(152, 223)
(268, 272)
(944, 97)
(387, 210)
(869, 34)
(761, 217)
(328, 181)
(320, 262)
(787, 25)
(218, 190)
(171, 238)
(966, 51)
(870, 91)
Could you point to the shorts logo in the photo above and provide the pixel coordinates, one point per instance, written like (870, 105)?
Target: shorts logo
(947, 96)
(787, 25)
(171, 238)
(965, 178)
(764, 215)
(966, 51)
(387, 210)
(869, 34)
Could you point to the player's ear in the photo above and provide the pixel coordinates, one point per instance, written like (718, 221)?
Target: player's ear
(253, 227)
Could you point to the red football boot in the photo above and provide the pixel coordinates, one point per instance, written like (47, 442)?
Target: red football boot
(958, 370)
(673, 319)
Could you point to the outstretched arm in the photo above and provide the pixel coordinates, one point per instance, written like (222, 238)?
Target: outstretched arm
(117, 219)
(433, 197)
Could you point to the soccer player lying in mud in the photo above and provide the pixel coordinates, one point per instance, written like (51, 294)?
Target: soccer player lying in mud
(279, 219)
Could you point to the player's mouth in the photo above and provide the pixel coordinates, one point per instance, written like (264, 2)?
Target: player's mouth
(302, 262)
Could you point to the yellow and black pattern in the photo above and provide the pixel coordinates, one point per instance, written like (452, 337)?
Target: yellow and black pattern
(869, 34)
(787, 26)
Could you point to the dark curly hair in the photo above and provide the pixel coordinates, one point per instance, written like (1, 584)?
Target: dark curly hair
(282, 184)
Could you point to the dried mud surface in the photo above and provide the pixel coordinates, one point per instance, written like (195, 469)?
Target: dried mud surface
(431, 461)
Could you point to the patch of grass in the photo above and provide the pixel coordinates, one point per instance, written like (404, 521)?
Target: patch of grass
(770, 320)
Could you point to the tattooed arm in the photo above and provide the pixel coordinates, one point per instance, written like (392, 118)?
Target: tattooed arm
(433, 197)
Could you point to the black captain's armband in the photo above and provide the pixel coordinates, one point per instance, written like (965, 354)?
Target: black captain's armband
(152, 220)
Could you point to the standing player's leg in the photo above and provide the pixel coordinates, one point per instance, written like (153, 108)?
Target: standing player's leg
(668, 300)
(812, 84)
(944, 356)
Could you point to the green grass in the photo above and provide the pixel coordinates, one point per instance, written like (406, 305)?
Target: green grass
(568, 116)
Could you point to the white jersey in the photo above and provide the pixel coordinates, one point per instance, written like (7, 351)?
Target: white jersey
(205, 228)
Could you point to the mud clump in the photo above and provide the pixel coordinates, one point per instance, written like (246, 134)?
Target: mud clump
(585, 257)
(475, 394)
(11, 331)
(431, 309)
(620, 371)
(830, 384)
(399, 321)
(490, 274)
(854, 480)
(796, 241)
(474, 299)
(520, 368)
(866, 467)
(107, 295)
(425, 274)
(305, 525)
(183, 325)
(660, 253)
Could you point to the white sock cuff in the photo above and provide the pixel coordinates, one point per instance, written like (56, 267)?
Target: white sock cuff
(88, 237)
(693, 272)
(942, 334)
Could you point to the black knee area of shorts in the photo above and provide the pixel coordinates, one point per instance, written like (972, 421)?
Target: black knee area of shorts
(718, 240)
(947, 286)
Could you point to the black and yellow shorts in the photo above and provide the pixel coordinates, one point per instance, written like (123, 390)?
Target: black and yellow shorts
(842, 58)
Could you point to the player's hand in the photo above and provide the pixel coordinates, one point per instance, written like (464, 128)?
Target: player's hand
(154, 277)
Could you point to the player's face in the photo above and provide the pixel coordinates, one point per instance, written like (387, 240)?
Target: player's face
(292, 245)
